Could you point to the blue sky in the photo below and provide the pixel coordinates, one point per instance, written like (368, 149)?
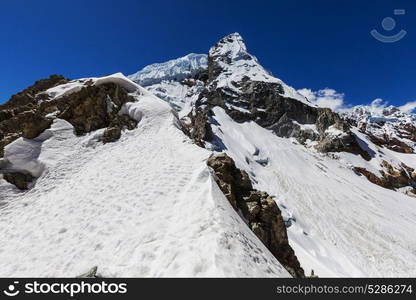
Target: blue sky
(308, 44)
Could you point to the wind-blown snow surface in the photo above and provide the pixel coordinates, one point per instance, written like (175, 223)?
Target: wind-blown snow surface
(340, 224)
(145, 205)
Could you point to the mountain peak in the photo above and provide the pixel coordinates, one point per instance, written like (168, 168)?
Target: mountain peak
(230, 63)
(231, 46)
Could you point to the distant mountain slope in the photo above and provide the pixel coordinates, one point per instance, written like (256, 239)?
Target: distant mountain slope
(176, 69)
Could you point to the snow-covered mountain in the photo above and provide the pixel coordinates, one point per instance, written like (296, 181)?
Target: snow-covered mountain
(176, 81)
(176, 69)
(206, 165)
(387, 126)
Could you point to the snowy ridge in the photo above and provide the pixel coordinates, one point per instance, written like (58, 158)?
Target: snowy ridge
(107, 205)
(176, 69)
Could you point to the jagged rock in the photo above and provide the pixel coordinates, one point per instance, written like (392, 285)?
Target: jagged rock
(258, 208)
(20, 180)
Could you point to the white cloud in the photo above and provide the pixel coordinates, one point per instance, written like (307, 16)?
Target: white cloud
(378, 105)
(332, 99)
(408, 107)
(324, 98)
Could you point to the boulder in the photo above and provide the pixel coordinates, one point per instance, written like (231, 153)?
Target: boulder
(20, 180)
(111, 134)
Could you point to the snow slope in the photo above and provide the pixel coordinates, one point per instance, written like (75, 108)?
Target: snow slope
(145, 205)
(339, 223)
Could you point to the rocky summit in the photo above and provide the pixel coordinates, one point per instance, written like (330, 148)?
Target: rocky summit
(202, 166)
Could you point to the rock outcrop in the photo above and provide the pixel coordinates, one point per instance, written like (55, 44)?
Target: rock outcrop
(94, 107)
(392, 177)
(30, 112)
(197, 126)
(258, 209)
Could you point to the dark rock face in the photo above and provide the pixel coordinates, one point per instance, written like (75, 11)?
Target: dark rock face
(198, 128)
(20, 180)
(258, 209)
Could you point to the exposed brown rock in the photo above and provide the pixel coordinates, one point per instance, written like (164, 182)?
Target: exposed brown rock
(93, 107)
(20, 116)
(30, 95)
(33, 124)
(372, 177)
(391, 177)
(259, 210)
(390, 142)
